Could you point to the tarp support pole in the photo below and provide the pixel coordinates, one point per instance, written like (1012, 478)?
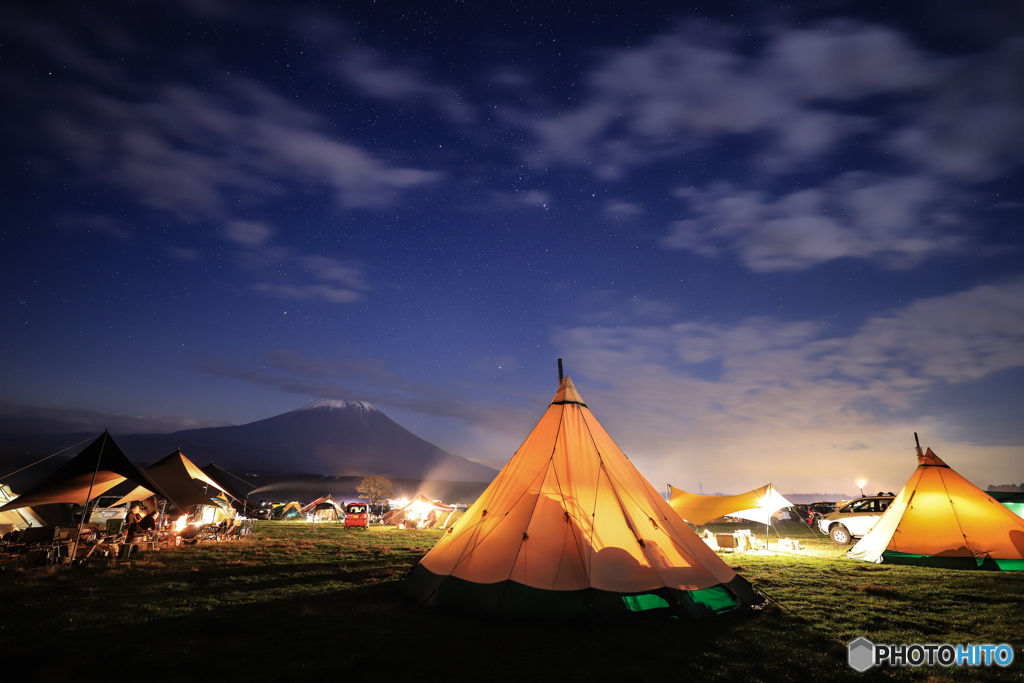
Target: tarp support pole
(88, 497)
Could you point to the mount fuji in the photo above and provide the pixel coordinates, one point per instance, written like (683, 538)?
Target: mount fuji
(327, 438)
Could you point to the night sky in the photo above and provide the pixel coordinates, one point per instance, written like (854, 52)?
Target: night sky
(770, 243)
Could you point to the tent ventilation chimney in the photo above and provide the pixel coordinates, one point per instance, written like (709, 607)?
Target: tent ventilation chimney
(560, 375)
(918, 443)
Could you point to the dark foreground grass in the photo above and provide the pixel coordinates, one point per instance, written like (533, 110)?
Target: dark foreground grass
(296, 600)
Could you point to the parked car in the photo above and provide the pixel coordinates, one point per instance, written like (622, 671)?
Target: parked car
(264, 510)
(357, 515)
(854, 519)
(101, 510)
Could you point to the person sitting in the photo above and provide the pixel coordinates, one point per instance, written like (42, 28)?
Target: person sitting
(134, 533)
(132, 519)
(150, 524)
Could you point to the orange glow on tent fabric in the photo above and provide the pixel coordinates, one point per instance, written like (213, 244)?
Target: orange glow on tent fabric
(940, 514)
(570, 513)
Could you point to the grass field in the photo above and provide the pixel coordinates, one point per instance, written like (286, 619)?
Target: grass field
(295, 600)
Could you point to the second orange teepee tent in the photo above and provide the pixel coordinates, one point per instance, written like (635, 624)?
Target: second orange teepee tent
(570, 528)
(941, 519)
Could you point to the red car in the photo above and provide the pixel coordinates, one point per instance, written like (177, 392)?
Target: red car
(357, 515)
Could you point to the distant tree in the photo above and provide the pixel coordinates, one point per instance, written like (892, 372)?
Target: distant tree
(375, 489)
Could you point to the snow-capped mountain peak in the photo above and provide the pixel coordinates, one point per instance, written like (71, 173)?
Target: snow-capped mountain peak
(332, 404)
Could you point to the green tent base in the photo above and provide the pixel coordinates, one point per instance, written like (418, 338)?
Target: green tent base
(509, 599)
(987, 563)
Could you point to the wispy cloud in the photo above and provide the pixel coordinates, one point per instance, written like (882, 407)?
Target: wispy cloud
(378, 76)
(896, 221)
(183, 148)
(783, 391)
(884, 140)
(248, 233)
(369, 379)
(302, 277)
(693, 85)
(185, 151)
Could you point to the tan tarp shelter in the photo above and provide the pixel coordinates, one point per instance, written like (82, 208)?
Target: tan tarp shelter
(98, 468)
(184, 484)
(941, 519)
(20, 518)
(758, 505)
(570, 528)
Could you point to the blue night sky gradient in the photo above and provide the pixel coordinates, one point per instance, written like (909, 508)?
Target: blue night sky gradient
(769, 243)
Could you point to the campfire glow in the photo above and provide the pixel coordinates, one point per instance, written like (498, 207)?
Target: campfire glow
(417, 512)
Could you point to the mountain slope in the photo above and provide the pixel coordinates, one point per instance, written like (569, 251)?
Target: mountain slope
(327, 438)
(333, 438)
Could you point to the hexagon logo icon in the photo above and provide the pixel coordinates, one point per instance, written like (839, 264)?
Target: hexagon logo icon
(862, 654)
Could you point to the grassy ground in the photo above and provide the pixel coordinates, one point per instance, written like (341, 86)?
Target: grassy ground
(295, 600)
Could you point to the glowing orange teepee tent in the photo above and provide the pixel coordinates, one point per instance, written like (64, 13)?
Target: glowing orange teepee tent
(941, 519)
(570, 528)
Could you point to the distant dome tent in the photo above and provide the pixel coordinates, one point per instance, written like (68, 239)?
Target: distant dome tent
(941, 519)
(323, 509)
(570, 529)
(757, 506)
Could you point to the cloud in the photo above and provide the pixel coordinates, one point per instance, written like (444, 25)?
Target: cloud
(23, 419)
(687, 88)
(377, 75)
(307, 278)
(972, 127)
(787, 404)
(844, 60)
(896, 221)
(336, 295)
(623, 210)
(191, 150)
(734, 405)
(248, 233)
(370, 379)
(185, 151)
